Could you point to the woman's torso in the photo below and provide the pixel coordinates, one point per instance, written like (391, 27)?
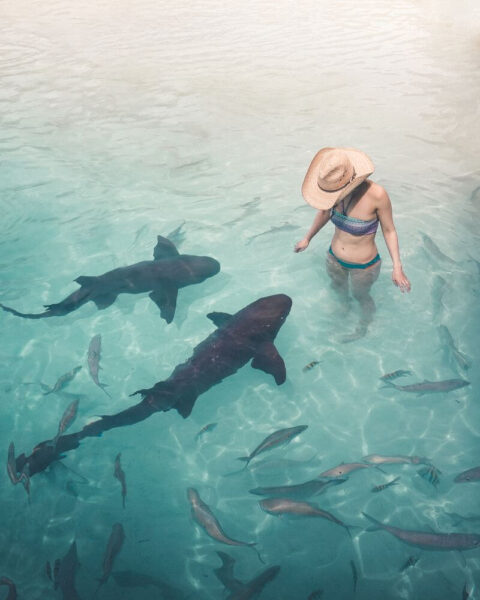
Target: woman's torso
(361, 205)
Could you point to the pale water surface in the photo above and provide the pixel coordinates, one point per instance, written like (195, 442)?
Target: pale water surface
(121, 121)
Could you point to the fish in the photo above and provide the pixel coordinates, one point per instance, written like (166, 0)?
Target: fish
(177, 236)
(12, 465)
(134, 579)
(315, 595)
(343, 469)
(300, 490)
(276, 229)
(205, 429)
(162, 277)
(430, 387)
(457, 519)
(411, 562)
(239, 338)
(119, 474)
(378, 459)
(67, 420)
(454, 353)
(12, 589)
(284, 506)
(466, 592)
(202, 515)
(310, 365)
(395, 375)
(239, 590)
(56, 570)
(472, 474)
(65, 575)
(428, 540)
(93, 360)
(63, 381)
(431, 474)
(383, 486)
(438, 290)
(115, 543)
(435, 251)
(274, 440)
(354, 575)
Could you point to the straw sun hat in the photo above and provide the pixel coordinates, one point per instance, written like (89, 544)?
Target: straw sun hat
(333, 174)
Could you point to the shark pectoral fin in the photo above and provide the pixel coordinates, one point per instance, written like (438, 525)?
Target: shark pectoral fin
(166, 300)
(164, 249)
(185, 403)
(104, 301)
(219, 318)
(269, 360)
(86, 280)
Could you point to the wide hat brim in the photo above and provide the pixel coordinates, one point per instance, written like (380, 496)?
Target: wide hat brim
(323, 199)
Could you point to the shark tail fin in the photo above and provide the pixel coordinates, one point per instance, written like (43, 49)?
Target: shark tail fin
(246, 460)
(253, 546)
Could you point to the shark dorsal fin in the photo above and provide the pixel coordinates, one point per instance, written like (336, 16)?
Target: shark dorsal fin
(219, 318)
(225, 573)
(164, 249)
(269, 360)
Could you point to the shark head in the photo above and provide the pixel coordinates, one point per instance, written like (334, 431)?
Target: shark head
(268, 314)
(201, 268)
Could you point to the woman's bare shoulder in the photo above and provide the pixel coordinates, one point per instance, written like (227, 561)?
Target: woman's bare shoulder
(377, 193)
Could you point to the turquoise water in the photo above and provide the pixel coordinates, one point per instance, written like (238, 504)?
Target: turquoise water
(120, 123)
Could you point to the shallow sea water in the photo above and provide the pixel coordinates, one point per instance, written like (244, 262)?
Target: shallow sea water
(121, 122)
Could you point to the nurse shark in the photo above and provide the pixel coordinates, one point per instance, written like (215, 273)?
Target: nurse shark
(246, 335)
(162, 277)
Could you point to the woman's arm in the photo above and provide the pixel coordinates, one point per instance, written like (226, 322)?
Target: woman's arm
(384, 212)
(322, 217)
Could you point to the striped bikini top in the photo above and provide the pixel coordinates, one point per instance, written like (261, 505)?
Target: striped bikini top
(352, 225)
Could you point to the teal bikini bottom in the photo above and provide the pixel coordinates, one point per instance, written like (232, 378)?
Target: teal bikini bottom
(348, 265)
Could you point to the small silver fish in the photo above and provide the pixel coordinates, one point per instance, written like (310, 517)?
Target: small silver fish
(343, 469)
(205, 429)
(120, 475)
(429, 540)
(275, 439)
(383, 486)
(430, 387)
(12, 465)
(310, 365)
(469, 475)
(395, 375)
(115, 543)
(431, 474)
(354, 575)
(202, 514)
(67, 419)
(63, 381)
(378, 459)
(93, 359)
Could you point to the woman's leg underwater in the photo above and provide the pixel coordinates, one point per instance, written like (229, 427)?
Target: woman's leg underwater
(361, 282)
(339, 279)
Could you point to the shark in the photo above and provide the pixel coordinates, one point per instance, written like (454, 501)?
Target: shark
(162, 277)
(239, 590)
(246, 336)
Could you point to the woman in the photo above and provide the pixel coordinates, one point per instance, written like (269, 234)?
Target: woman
(336, 184)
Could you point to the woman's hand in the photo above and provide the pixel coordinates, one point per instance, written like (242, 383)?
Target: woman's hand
(301, 245)
(400, 279)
